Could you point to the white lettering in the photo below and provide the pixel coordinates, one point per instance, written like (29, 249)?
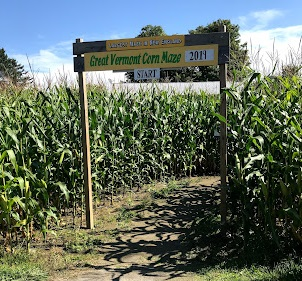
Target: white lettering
(118, 45)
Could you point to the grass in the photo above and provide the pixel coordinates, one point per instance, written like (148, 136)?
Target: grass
(245, 274)
(21, 272)
(20, 267)
(125, 215)
(82, 243)
(164, 190)
(284, 271)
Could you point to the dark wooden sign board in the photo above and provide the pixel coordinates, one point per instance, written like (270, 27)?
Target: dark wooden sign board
(80, 48)
(219, 38)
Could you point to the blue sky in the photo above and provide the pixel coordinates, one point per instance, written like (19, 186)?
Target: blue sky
(42, 32)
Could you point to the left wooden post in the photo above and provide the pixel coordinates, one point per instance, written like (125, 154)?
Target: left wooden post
(86, 147)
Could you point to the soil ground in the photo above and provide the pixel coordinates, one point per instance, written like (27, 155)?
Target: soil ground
(153, 247)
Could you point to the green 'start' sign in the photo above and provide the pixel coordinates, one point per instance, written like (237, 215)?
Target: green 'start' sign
(199, 55)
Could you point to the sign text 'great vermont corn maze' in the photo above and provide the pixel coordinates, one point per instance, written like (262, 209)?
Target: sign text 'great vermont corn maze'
(158, 58)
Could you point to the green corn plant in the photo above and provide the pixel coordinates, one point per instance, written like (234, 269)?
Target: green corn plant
(34, 180)
(265, 126)
(150, 135)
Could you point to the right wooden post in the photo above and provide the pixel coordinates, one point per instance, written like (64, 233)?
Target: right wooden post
(223, 143)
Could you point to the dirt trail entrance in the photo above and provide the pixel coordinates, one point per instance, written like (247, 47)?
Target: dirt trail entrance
(154, 247)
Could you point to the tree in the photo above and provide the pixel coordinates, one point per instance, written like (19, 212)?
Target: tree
(238, 52)
(147, 31)
(11, 69)
(238, 55)
(152, 30)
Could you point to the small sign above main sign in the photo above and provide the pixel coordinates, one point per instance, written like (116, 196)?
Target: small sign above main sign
(145, 43)
(146, 73)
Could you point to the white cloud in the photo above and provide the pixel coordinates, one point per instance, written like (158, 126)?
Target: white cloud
(259, 19)
(264, 17)
(118, 36)
(56, 63)
(271, 48)
(45, 61)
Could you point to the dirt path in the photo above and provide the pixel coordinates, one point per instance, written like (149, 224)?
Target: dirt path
(154, 248)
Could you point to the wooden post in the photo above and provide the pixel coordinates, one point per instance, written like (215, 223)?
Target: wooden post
(223, 143)
(86, 147)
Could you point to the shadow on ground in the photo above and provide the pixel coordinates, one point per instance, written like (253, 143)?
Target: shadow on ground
(177, 237)
(157, 245)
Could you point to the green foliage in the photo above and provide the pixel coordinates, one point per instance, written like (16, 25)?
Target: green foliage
(152, 30)
(237, 67)
(238, 52)
(289, 271)
(80, 242)
(167, 189)
(148, 31)
(154, 135)
(17, 267)
(265, 157)
(135, 138)
(150, 135)
(38, 160)
(125, 215)
(230, 257)
(10, 69)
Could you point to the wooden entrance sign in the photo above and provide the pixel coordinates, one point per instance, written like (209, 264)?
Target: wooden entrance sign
(146, 56)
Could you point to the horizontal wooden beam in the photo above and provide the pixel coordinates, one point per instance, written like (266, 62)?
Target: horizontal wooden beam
(220, 38)
(89, 47)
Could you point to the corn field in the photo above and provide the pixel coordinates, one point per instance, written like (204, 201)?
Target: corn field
(39, 160)
(149, 136)
(265, 160)
(137, 138)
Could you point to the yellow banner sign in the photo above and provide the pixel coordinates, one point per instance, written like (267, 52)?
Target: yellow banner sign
(200, 55)
(145, 43)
